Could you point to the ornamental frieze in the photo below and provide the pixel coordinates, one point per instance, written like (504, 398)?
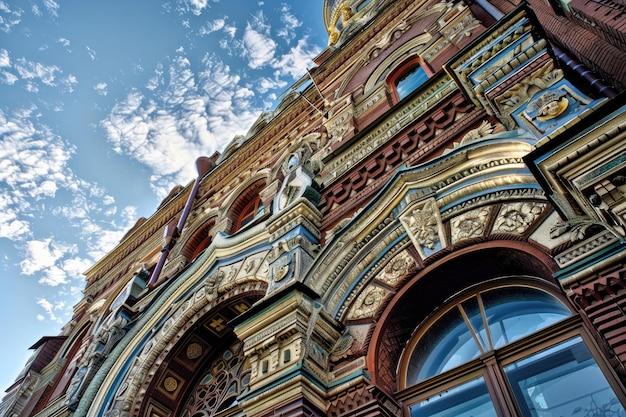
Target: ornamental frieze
(387, 128)
(471, 224)
(517, 217)
(394, 154)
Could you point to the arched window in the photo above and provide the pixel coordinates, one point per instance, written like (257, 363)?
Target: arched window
(407, 78)
(249, 212)
(505, 351)
(247, 207)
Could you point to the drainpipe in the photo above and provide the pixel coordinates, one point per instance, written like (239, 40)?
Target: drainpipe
(203, 166)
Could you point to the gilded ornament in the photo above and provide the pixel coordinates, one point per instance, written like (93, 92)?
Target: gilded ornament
(170, 384)
(194, 351)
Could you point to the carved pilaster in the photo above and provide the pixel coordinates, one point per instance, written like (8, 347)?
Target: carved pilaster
(295, 235)
(288, 339)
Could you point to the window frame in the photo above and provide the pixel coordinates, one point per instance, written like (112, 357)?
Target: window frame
(248, 213)
(490, 365)
(402, 70)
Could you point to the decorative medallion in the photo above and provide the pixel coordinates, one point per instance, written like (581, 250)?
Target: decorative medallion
(396, 269)
(170, 384)
(367, 303)
(517, 217)
(194, 351)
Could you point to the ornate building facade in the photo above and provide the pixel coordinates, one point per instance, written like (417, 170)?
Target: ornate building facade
(432, 223)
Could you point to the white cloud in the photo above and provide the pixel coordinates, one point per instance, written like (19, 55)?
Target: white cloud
(290, 22)
(68, 83)
(212, 26)
(259, 49)
(52, 7)
(194, 6)
(50, 309)
(11, 227)
(182, 116)
(101, 88)
(91, 53)
(42, 254)
(265, 84)
(258, 46)
(8, 78)
(29, 70)
(298, 59)
(65, 43)
(8, 17)
(5, 61)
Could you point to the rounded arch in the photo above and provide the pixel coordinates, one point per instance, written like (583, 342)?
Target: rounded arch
(240, 198)
(395, 60)
(448, 276)
(199, 240)
(191, 353)
(139, 374)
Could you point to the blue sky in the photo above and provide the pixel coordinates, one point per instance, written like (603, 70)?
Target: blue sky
(104, 107)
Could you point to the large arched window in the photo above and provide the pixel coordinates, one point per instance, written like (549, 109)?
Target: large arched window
(505, 351)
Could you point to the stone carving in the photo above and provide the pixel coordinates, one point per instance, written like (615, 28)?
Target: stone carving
(481, 131)
(423, 224)
(396, 269)
(583, 249)
(517, 217)
(105, 339)
(470, 224)
(281, 267)
(367, 303)
(577, 228)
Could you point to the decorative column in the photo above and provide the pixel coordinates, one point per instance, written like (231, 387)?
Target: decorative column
(288, 338)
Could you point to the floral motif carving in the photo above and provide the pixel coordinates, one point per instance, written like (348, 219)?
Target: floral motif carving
(367, 303)
(423, 224)
(517, 217)
(396, 269)
(470, 224)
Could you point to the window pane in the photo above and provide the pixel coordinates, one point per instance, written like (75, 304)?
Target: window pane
(410, 81)
(471, 308)
(468, 400)
(447, 344)
(563, 381)
(513, 313)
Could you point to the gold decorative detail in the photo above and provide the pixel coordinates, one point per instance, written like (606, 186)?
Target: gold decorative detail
(170, 384)
(194, 351)
(549, 105)
(423, 224)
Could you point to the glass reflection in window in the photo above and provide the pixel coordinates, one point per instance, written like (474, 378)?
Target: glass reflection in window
(563, 380)
(468, 400)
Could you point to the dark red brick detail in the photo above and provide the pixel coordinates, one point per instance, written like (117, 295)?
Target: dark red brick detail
(590, 49)
(603, 301)
(297, 408)
(395, 152)
(605, 18)
(363, 401)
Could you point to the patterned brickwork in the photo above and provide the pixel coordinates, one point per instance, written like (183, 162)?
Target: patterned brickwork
(603, 300)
